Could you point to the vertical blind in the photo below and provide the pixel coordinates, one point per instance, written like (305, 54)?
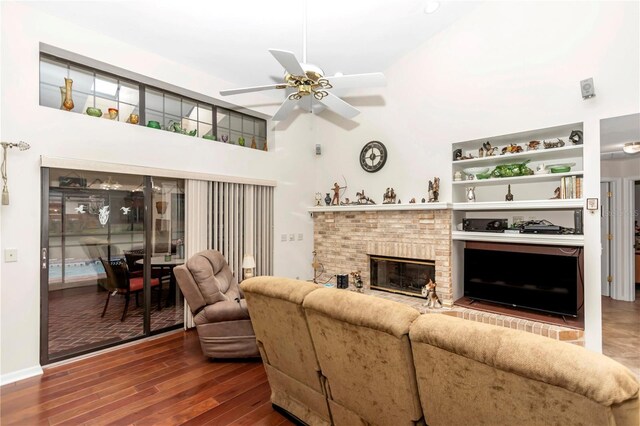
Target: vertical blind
(241, 223)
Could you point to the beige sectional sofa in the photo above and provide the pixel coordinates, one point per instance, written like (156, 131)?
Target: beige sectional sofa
(338, 357)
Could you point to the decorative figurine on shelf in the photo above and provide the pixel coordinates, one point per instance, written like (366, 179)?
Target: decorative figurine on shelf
(457, 175)
(241, 141)
(346, 202)
(224, 138)
(253, 143)
(558, 144)
(457, 154)
(480, 152)
(556, 194)
(576, 137)
(509, 196)
(399, 202)
(489, 151)
(429, 292)
(363, 199)
(389, 196)
(423, 200)
(434, 190)
(357, 281)
(471, 195)
(412, 201)
(318, 199)
(533, 145)
(335, 201)
(511, 149)
(327, 199)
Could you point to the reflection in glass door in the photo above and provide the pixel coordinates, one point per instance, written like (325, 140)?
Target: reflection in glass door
(94, 254)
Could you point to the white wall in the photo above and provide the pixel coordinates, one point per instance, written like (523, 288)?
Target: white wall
(620, 168)
(57, 133)
(505, 67)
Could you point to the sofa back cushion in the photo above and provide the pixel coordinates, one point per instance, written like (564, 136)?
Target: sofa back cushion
(474, 373)
(275, 307)
(364, 352)
(213, 276)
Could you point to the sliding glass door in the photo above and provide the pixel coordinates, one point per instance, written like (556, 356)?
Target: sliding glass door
(97, 290)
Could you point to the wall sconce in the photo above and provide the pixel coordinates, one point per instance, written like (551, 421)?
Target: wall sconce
(248, 263)
(22, 146)
(631, 147)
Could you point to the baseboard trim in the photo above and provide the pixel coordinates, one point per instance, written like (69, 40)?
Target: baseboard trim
(26, 373)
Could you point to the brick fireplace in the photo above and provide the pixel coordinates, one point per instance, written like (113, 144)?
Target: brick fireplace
(346, 240)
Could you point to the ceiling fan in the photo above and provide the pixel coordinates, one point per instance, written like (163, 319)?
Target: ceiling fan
(309, 84)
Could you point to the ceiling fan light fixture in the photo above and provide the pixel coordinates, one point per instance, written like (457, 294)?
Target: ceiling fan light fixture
(631, 147)
(431, 6)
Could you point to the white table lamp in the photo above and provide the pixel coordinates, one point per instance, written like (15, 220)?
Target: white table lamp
(248, 263)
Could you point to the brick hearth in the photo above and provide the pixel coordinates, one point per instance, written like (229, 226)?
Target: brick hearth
(344, 240)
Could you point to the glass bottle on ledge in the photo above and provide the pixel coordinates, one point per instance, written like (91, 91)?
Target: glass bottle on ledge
(66, 92)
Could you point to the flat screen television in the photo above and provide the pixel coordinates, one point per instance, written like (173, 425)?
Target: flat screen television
(542, 282)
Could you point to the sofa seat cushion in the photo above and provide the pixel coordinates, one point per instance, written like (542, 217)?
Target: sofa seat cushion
(230, 310)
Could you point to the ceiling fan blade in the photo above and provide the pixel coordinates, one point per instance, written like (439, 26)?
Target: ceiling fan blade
(353, 81)
(339, 106)
(284, 110)
(288, 61)
(252, 89)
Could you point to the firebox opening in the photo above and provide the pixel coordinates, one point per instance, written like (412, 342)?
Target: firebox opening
(401, 275)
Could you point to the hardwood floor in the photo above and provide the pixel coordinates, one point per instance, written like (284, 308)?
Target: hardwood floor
(165, 381)
(621, 331)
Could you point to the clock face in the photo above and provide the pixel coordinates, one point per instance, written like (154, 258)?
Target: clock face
(373, 156)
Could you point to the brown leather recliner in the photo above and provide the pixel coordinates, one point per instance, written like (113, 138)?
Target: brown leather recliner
(218, 306)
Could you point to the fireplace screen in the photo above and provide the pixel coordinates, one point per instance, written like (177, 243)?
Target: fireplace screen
(399, 275)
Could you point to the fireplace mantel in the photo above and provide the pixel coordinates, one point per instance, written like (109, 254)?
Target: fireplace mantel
(382, 207)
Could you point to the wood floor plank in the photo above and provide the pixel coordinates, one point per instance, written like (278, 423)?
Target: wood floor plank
(162, 381)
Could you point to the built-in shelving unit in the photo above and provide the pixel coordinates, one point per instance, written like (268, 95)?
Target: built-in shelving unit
(533, 194)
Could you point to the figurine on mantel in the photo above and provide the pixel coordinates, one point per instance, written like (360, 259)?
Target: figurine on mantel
(412, 201)
(363, 199)
(434, 190)
(318, 199)
(389, 196)
(335, 201)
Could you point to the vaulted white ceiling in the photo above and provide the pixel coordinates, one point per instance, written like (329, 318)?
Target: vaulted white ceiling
(230, 39)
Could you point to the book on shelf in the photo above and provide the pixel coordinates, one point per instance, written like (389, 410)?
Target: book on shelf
(570, 187)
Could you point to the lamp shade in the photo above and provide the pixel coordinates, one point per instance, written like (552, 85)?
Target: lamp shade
(631, 147)
(248, 261)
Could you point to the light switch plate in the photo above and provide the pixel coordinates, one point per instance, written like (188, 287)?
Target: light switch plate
(283, 237)
(300, 237)
(10, 255)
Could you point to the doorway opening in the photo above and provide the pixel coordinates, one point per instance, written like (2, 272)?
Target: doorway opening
(620, 186)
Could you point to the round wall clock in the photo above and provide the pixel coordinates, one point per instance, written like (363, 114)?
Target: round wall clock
(373, 156)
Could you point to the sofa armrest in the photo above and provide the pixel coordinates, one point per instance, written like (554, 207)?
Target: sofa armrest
(228, 310)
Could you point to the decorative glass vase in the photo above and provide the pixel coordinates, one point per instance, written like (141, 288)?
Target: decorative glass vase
(67, 103)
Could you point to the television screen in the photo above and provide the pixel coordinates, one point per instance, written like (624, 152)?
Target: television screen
(542, 282)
